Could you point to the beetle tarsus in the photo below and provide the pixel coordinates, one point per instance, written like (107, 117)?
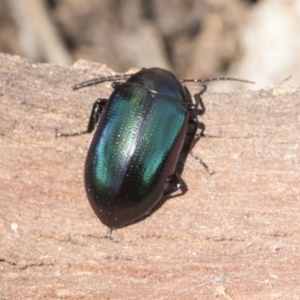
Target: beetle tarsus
(206, 167)
(59, 134)
(109, 232)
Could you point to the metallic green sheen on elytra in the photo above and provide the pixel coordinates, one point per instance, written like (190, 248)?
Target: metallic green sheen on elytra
(138, 138)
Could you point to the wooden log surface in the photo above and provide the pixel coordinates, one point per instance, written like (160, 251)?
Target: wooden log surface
(233, 235)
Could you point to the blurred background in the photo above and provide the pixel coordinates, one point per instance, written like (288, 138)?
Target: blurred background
(251, 39)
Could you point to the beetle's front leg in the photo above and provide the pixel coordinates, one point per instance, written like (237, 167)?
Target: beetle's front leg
(199, 103)
(198, 109)
(97, 109)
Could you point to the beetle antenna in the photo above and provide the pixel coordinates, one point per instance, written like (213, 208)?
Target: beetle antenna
(98, 80)
(206, 167)
(216, 79)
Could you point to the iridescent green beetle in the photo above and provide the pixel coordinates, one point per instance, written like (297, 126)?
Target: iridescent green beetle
(144, 132)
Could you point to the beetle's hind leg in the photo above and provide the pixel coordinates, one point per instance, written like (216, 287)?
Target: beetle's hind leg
(97, 109)
(175, 183)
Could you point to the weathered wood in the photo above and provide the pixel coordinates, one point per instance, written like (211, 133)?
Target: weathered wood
(233, 235)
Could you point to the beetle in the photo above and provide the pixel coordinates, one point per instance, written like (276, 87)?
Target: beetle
(143, 134)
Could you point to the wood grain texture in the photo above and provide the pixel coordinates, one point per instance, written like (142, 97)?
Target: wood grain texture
(233, 235)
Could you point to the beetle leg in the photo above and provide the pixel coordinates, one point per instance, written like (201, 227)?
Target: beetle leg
(196, 139)
(94, 118)
(194, 121)
(201, 126)
(97, 109)
(174, 183)
(194, 125)
(197, 109)
(200, 112)
(109, 232)
(206, 167)
(199, 101)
